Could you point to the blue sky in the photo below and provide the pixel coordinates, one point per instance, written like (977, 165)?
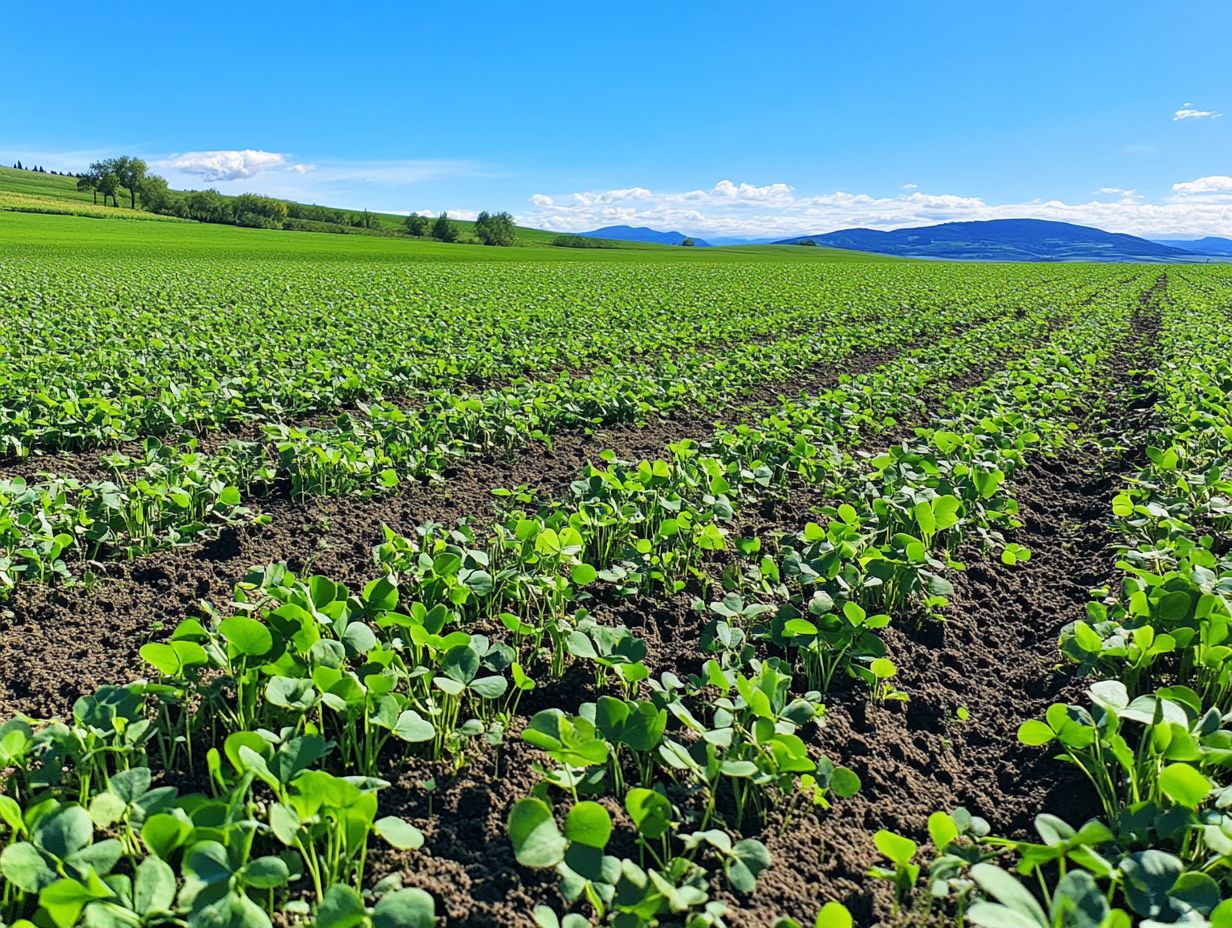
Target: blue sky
(715, 118)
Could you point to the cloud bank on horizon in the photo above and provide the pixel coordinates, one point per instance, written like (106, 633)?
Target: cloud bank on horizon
(1193, 207)
(1202, 206)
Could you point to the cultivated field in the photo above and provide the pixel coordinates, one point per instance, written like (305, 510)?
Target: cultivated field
(370, 582)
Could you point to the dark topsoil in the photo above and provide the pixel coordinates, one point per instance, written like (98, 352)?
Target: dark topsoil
(995, 654)
(57, 642)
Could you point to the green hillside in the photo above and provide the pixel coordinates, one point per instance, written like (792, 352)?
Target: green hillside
(48, 234)
(30, 192)
(34, 184)
(62, 191)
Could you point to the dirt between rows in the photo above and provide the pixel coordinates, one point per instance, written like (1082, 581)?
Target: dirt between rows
(993, 654)
(59, 641)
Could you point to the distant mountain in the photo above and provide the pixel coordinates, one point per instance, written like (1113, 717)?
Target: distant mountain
(642, 234)
(1211, 245)
(1002, 240)
(741, 240)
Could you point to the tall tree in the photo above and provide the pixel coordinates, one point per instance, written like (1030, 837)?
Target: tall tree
(416, 225)
(109, 186)
(495, 229)
(89, 181)
(208, 206)
(106, 180)
(155, 194)
(445, 229)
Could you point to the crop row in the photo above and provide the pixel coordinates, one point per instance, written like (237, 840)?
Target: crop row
(104, 352)
(168, 496)
(810, 612)
(288, 703)
(1152, 738)
(173, 496)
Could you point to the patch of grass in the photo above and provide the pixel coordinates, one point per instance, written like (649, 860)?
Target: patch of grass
(31, 183)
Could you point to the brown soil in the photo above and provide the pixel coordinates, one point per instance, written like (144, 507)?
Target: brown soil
(469, 863)
(993, 654)
(57, 642)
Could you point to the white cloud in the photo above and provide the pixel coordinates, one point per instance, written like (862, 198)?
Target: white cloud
(911, 186)
(1187, 111)
(1201, 206)
(230, 164)
(1216, 183)
(611, 196)
(771, 193)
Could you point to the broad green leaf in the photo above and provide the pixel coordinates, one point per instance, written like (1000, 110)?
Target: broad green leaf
(537, 842)
(404, 908)
(246, 637)
(399, 833)
(833, 915)
(894, 847)
(588, 823)
(1184, 785)
(342, 907)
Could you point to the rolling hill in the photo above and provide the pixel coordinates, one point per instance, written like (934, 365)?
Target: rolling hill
(1002, 240)
(31, 191)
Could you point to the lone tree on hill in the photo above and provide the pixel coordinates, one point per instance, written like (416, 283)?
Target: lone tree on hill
(445, 229)
(495, 229)
(416, 225)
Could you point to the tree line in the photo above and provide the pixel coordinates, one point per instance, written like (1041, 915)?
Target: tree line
(39, 169)
(129, 177)
(132, 175)
(490, 228)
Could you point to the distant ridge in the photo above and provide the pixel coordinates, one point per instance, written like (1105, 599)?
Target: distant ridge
(1003, 240)
(1211, 245)
(642, 234)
